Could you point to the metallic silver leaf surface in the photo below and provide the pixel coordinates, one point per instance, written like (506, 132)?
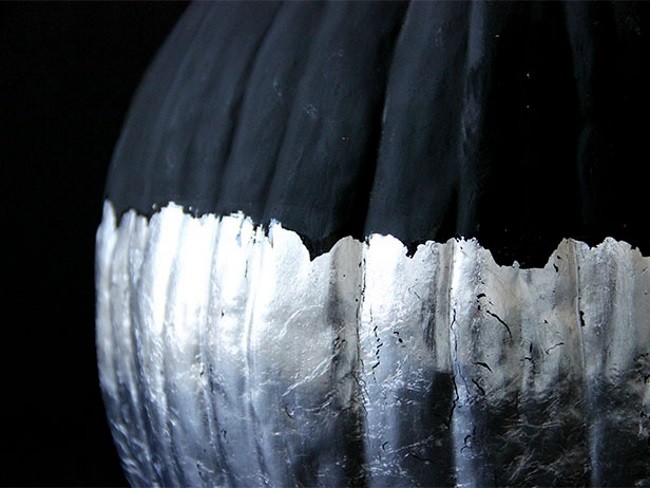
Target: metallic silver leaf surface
(228, 358)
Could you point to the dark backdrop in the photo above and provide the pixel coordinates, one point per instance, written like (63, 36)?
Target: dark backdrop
(67, 74)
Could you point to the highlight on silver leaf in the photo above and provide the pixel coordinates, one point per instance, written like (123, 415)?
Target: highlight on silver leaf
(227, 357)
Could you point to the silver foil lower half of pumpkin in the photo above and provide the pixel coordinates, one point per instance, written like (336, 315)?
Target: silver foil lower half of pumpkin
(227, 357)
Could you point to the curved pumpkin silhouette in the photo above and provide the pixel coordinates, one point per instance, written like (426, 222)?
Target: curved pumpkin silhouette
(246, 337)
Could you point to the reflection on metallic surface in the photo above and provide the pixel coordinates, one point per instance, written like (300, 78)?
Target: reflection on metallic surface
(227, 357)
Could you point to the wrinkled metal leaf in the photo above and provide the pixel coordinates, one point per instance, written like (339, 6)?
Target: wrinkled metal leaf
(228, 357)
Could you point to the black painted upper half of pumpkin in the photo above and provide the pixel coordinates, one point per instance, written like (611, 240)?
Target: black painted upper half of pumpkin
(516, 123)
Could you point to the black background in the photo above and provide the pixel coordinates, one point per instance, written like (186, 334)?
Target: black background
(67, 74)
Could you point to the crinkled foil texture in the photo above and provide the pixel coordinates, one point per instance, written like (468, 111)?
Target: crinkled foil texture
(228, 357)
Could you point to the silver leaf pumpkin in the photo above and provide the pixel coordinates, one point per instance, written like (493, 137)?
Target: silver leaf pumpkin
(281, 296)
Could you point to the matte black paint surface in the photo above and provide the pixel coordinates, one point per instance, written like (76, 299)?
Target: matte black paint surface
(518, 123)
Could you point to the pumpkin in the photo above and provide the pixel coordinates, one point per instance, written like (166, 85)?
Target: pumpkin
(297, 266)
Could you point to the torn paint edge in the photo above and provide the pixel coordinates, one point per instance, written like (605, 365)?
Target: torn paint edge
(110, 218)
